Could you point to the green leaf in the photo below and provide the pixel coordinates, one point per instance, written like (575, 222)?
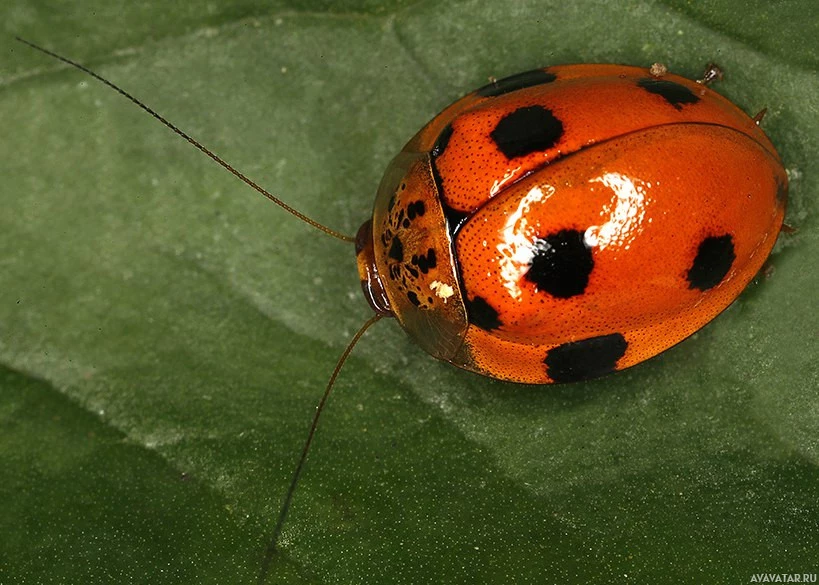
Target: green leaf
(165, 332)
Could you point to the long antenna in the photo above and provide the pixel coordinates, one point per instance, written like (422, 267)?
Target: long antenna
(272, 547)
(195, 143)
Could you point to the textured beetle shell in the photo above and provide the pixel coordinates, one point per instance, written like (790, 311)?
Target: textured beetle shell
(593, 217)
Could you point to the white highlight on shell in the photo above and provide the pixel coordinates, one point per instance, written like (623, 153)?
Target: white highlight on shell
(441, 289)
(624, 221)
(498, 185)
(517, 246)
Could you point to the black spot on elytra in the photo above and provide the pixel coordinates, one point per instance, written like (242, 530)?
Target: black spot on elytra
(527, 130)
(585, 359)
(415, 209)
(715, 256)
(442, 141)
(561, 264)
(482, 314)
(516, 82)
(413, 298)
(675, 94)
(396, 250)
(425, 262)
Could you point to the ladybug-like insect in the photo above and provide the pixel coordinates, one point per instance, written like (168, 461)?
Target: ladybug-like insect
(568, 222)
(561, 224)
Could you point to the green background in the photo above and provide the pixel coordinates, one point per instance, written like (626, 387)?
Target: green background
(165, 332)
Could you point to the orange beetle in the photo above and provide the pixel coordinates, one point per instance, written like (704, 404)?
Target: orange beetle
(571, 221)
(560, 224)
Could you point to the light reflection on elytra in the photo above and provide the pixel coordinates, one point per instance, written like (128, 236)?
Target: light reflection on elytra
(622, 222)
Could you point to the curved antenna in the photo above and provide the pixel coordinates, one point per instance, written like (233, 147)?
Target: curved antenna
(272, 547)
(195, 143)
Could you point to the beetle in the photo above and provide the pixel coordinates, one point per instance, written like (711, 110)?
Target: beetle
(559, 224)
(568, 222)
